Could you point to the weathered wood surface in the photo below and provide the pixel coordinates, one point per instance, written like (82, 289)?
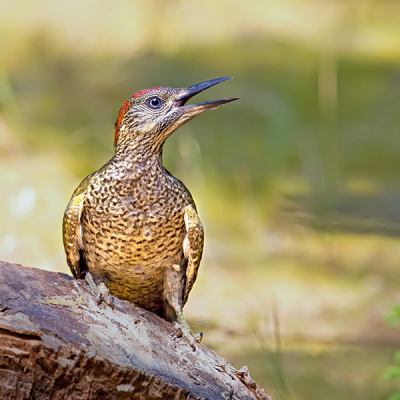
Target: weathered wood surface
(57, 343)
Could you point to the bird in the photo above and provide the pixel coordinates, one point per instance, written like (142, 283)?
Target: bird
(131, 229)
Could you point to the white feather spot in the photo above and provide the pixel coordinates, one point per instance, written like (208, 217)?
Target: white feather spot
(176, 267)
(186, 247)
(187, 221)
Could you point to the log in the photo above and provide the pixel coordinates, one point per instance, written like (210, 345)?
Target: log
(56, 342)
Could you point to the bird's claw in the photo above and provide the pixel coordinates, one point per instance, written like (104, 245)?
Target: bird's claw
(100, 291)
(198, 336)
(191, 338)
(112, 302)
(104, 295)
(177, 333)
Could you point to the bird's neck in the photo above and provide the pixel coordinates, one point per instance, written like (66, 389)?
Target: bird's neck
(137, 161)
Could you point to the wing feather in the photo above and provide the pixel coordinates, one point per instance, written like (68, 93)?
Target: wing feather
(192, 248)
(72, 233)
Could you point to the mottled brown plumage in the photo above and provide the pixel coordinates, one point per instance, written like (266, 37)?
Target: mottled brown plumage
(131, 226)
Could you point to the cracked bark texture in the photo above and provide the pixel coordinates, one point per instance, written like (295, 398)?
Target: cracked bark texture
(56, 342)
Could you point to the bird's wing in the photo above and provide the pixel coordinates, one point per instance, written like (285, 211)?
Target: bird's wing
(193, 248)
(72, 231)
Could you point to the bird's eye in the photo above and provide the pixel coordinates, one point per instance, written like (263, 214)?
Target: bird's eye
(155, 102)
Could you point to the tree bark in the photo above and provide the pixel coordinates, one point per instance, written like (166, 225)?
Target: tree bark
(56, 342)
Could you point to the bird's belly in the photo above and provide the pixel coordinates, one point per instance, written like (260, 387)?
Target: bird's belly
(142, 284)
(130, 254)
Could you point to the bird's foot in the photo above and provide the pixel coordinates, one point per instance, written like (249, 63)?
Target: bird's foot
(192, 338)
(100, 291)
(183, 330)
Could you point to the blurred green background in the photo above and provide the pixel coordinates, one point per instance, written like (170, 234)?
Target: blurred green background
(297, 183)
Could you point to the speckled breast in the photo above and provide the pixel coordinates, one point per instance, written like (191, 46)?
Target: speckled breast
(131, 235)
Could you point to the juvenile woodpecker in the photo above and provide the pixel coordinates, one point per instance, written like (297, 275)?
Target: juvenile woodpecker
(131, 229)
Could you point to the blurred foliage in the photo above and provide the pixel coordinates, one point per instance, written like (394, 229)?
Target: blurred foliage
(392, 373)
(393, 318)
(297, 183)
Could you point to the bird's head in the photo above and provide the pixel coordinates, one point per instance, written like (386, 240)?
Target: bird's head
(148, 117)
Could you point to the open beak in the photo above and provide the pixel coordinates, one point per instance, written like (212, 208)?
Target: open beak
(198, 108)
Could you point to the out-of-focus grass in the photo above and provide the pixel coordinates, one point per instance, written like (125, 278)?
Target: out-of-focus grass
(297, 183)
(328, 373)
